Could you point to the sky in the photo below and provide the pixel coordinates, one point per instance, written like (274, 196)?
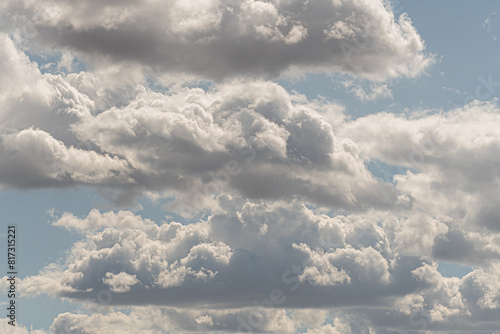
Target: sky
(279, 166)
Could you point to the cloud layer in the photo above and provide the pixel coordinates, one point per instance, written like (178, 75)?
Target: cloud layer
(249, 261)
(221, 38)
(252, 137)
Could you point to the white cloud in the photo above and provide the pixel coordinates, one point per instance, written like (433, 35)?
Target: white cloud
(115, 322)
(224, 262)
(252, 137)
(220, 38)
(374, 92)
(204, 276)
(466, 305)
(162, 319)
(33, 158)
(225, 259)
(5, 327)
(453, 156)
(121, 282)
(246, 136)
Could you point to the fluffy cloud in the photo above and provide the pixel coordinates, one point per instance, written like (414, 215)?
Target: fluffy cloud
(452, 159)
(218, 273)
(33, 158)
(37, 146)
(220, 38)
(467, 305)
(52, 102)
(121, 282)
(242, 267)
(162, 319)
(449, 304)
(18, 329)
(247, 136)
(243, 252)
(252, 137)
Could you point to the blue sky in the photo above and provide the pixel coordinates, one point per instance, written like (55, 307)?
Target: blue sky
(328, 136)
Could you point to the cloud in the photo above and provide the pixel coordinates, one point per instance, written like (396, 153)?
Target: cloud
(17, 329)
(242, 253)
(220, 39)
(449, 304)
(467, 305)
(121, 282)
(266, 266)
(162, 319)
(246, 136)
(452, 158)
(115, 322)
(252, 137)
(33, 158)
(372, 93)
(38, 148)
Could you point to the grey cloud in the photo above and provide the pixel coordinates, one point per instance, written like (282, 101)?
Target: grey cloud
(229, 261)
(453, 177)
(32, 158)
(216, 273)
(449, 305)
(225, 38)
(247, 136)
(162, 320)
(453, 246)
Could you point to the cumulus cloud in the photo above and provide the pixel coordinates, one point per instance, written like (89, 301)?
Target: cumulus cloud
(245, 136)
(259, 266)
(449, 304)
(453, 176)
(229, 259)
(53, 101)
(219, 38)
(467, 305)
(37, 146)
(162, 319)
(229, 273)
(121, 282)
(33, 158)
(252, 137)
(258, 250)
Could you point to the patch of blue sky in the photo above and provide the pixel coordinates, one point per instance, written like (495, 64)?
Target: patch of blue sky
(39, 312)
(39, 243)
(48, 63)
(473, 46)
(205, 85)
(450, 269)
(153, 84)
(386, 172)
